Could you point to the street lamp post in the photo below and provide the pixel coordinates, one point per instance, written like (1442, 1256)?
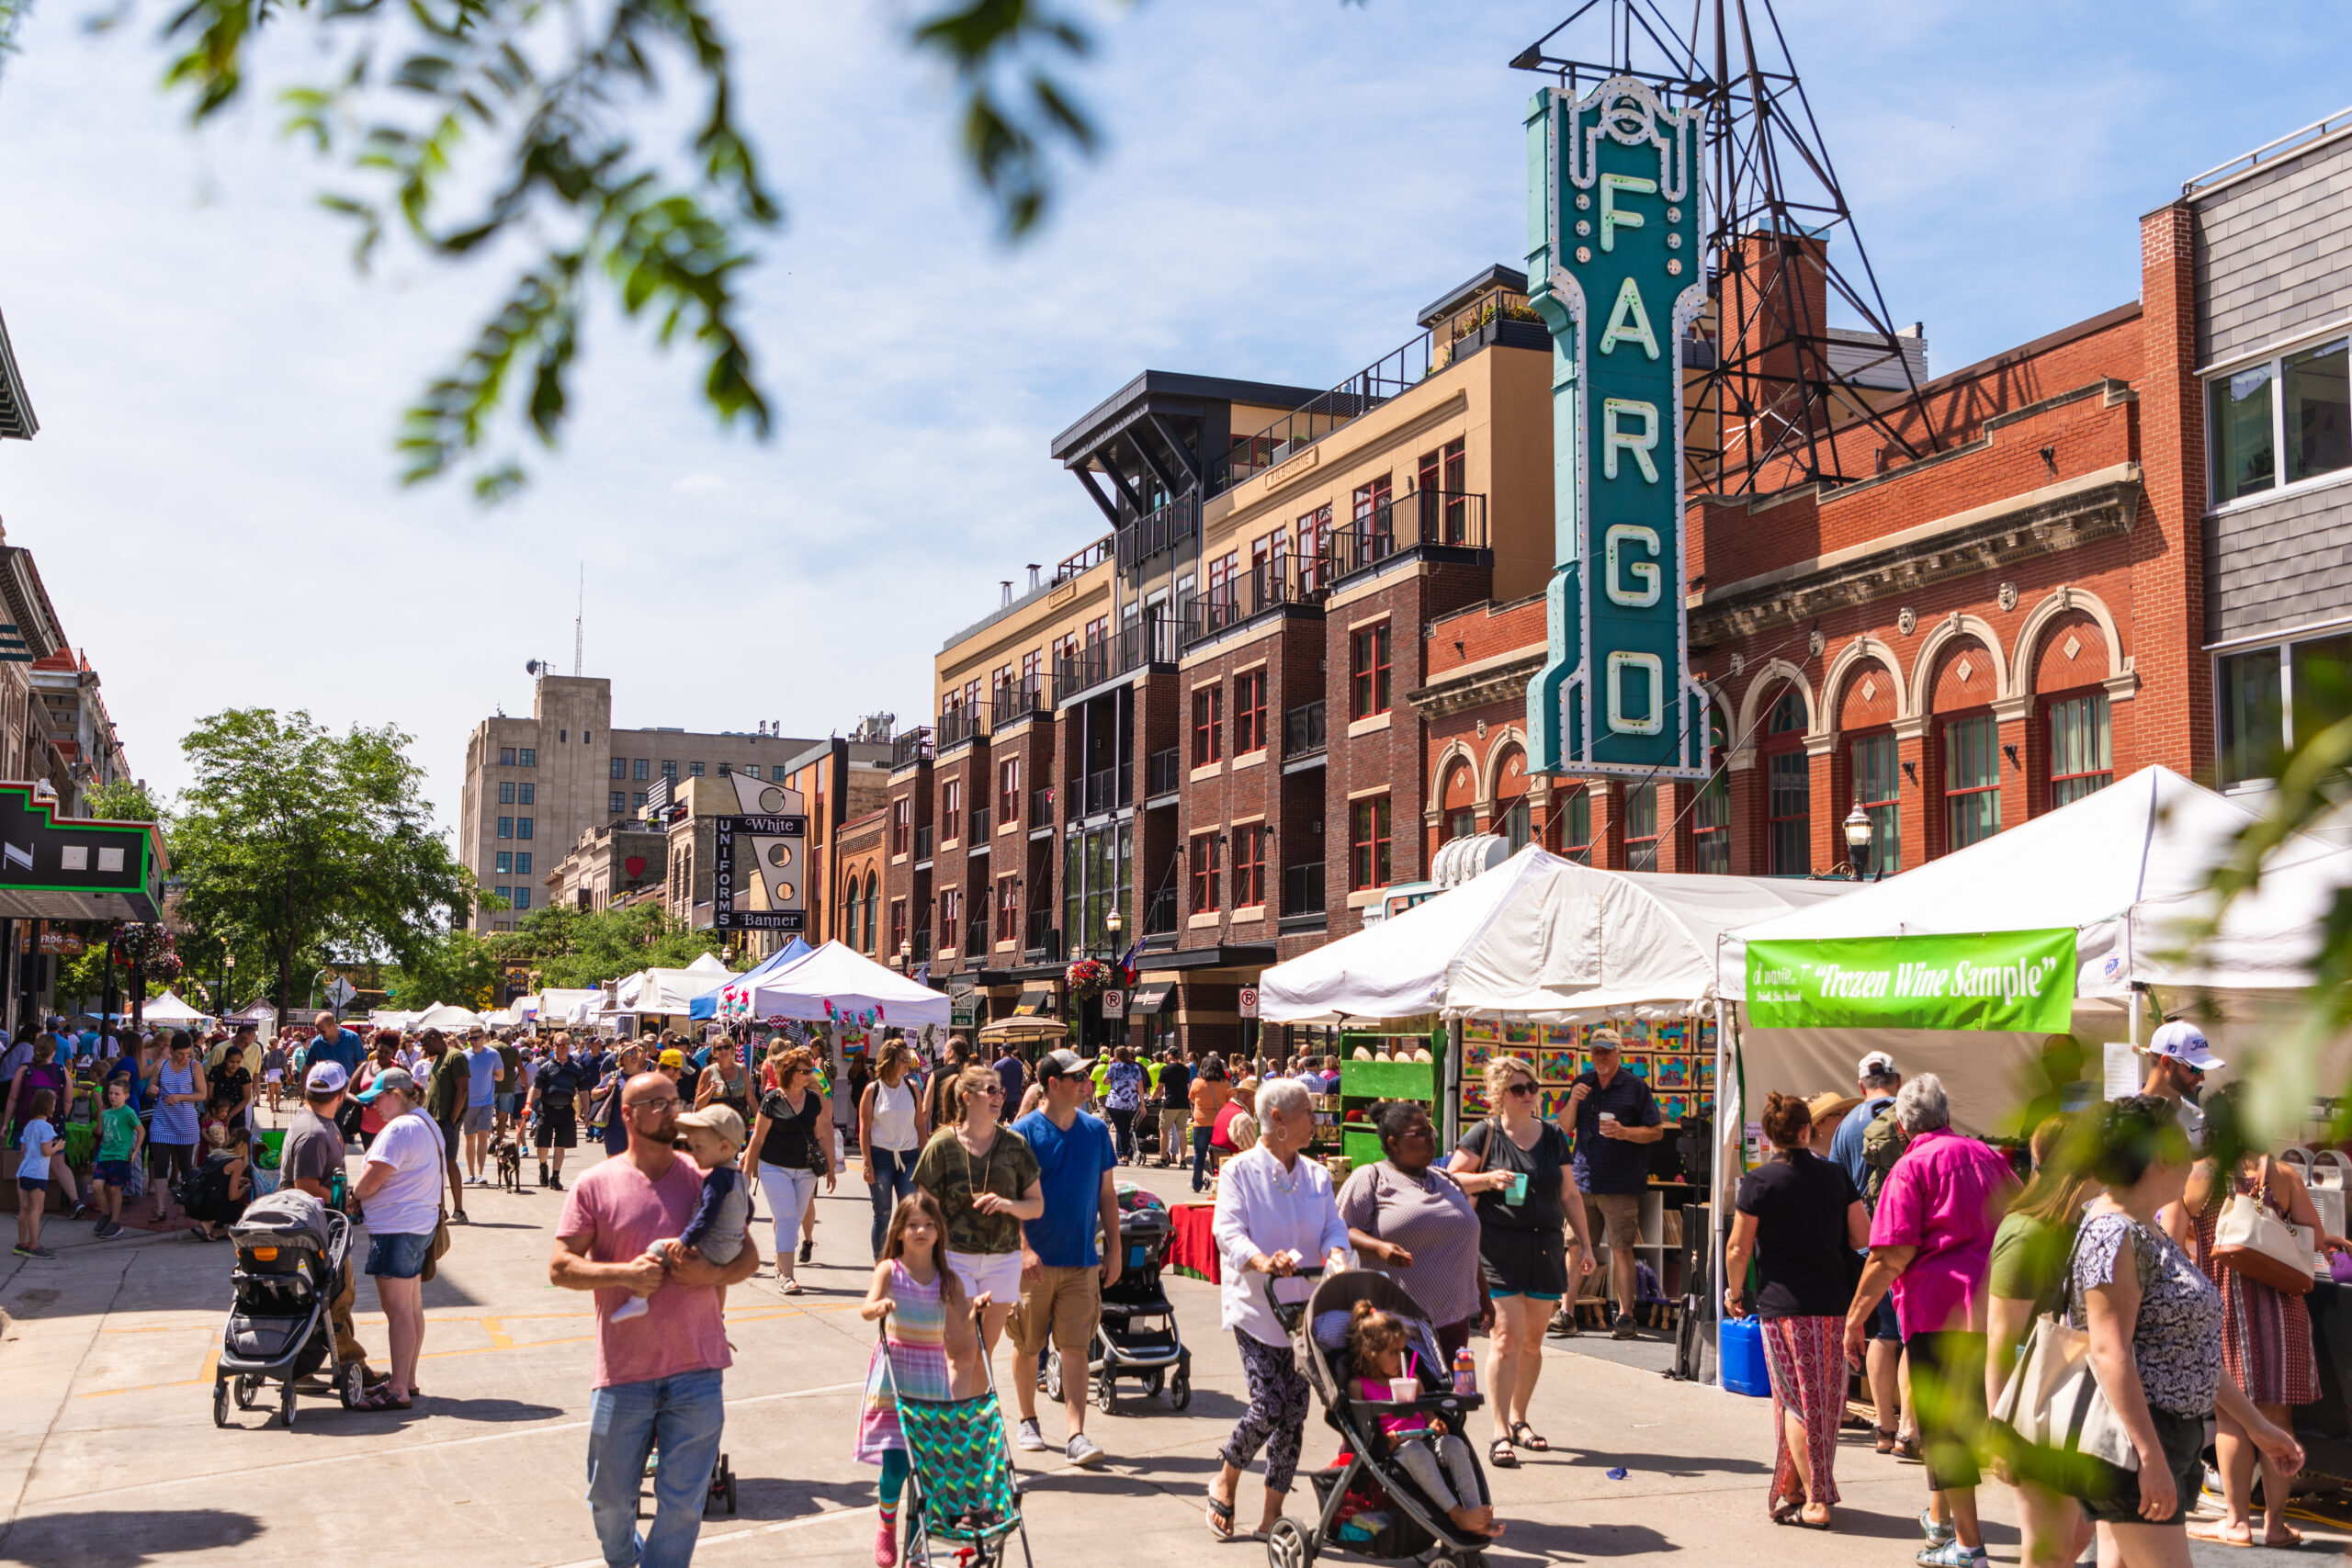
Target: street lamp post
(1858, 832)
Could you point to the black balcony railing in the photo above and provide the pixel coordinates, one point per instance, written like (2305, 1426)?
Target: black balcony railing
(914, 746)
(1040, 943)
(1041, 807)
(1149, 642)
(1303, 732)
(957, 724)
(1273, 582)
(1450, 517)
(1173, 525)
(1163, 771)
(979, 834)
(1086, 560)
(923, 843)
(1010, 704)
(1303, 888)
(1393, 373)
(1160, 918)
(1108, 788)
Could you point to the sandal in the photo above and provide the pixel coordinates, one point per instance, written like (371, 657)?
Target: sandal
(2217, 1534)
(1532, 1440)
(792, 1287)
(380, 1398)
(1220, 1517)
(1501, 1455)
(1823, 1523)
(2288, 1536)
(1884, 1440)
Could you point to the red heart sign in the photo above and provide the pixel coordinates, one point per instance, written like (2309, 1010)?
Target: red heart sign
(635, 866)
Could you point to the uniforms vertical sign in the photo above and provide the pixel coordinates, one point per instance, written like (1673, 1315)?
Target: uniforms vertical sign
(1614, 267)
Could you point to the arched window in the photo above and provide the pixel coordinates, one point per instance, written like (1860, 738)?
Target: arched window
(849, 914)
(1788, 787)
(1458, 799)
(1512, 817)
(873, 897)
(1711, 813)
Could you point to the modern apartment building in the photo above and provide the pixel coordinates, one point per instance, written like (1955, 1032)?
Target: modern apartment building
(534, 785)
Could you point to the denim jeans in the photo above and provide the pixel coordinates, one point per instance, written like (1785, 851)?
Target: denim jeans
(1201, 1156)
(894, 1178)
(683, 1416)
(1123, 1134)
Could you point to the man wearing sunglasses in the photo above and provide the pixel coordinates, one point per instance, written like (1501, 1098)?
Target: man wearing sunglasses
(1616, 1121)
(658, 1376)
(2178, 1059)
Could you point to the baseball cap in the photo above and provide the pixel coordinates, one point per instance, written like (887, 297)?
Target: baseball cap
(1604, 1040)
(392, 1078)
(723, 1120)
(2185, 1042)
(325, 1077)
(1871, 1065)
(1059, 1065)
(673, 1058)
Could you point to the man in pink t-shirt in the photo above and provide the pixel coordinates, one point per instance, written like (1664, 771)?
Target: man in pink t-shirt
(658, 1376)
(1931, 1243)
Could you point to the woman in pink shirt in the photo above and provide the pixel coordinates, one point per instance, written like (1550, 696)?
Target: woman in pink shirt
(1931, 1244)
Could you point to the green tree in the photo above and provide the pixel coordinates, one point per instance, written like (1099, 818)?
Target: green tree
(454, 965)
(574, 948)
(295, 841)
(519, 127)
(124, 800)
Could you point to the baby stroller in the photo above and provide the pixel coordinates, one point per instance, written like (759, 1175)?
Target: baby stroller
(291, 1252)
(1137, 1336)
(962, 1494)
(1366, 1479)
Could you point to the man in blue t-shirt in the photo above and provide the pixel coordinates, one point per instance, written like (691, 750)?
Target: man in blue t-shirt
(344, 1048)
(1876, 1080)
(1062, 1272)
(483, 1069)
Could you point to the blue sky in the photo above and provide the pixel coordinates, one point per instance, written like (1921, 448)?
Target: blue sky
(1283, 185)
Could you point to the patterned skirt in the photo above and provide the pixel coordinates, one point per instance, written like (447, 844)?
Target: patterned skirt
(913, 1359)
(1807, 1359)
(2266, 1334)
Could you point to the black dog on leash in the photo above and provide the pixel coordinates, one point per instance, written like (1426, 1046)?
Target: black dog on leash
(508, 1154)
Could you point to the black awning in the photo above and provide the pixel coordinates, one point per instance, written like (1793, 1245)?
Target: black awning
(1037, 1001)
(1148, 999)
(63, 868)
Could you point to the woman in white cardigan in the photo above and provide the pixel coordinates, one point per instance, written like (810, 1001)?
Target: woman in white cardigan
(1274, 1212)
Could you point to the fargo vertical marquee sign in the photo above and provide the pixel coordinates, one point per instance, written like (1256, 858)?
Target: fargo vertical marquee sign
(1615, 268)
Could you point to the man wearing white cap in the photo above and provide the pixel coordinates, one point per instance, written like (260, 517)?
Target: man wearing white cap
(311, 1159)
(1876, 1080)
(2178, 1059)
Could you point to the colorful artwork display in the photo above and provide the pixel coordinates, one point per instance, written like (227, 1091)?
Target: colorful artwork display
(1677, 1059)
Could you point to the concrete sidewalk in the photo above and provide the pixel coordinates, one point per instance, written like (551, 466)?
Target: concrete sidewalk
(108, 1456)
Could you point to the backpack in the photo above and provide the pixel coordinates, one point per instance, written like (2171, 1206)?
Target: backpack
(1883, 1144)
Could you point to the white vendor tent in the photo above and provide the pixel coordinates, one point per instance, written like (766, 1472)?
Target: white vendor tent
(731, 998)
(666, 991)
(445, 1016)
(561, 1008)
(833, 981)
(1537, 939)
(169, 1009)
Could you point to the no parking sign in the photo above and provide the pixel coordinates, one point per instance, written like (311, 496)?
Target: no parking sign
(1249, 1001)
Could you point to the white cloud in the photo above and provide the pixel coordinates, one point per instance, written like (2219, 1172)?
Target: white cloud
(700, 484)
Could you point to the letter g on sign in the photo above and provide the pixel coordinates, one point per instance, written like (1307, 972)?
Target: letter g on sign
(1643, 574)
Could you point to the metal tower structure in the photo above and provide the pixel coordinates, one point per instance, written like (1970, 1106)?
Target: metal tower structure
(1778, 398)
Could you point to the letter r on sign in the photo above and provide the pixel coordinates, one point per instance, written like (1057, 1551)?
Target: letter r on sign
(1614, 440)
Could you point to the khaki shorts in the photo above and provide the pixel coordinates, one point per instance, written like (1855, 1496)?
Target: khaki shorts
(1066, 1303)
(1620, 1213)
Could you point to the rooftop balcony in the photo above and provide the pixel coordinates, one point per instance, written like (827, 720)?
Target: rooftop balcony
(1147, 642)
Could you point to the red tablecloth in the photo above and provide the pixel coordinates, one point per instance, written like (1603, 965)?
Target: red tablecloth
(1192, 1251)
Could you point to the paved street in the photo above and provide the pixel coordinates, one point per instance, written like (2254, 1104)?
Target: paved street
(113, 1459)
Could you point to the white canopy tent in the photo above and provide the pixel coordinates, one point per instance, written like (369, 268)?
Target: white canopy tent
(1538, 939)
(445, 1016)
(663, 992)
(168, 1009)
(833, 980)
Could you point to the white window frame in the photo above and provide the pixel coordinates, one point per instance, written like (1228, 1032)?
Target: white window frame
(2274, 357)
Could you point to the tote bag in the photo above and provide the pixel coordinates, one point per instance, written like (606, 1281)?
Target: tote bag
(2251, 1239)
(2052, 1398)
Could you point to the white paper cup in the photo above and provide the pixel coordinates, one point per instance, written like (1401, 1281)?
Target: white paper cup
(1403, 1390)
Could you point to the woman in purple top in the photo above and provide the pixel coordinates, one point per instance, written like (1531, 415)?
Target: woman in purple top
(1931, 1243)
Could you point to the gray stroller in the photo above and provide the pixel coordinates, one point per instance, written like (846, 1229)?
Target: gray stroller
(1365, 1472)
(291, 1252)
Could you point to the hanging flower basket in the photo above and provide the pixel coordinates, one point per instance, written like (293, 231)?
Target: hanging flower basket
(1085, 976)
(150, 947)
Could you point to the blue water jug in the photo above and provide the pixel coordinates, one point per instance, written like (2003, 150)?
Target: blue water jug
(1745, 1370)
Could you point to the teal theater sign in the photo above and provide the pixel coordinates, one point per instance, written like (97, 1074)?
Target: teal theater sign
(1615, 268)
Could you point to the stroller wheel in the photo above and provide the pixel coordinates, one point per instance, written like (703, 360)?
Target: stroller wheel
(1153, 1382)
(246, 1386)
(220, 1401)
(1105, 1392)
(1053, 1374)
(1180, 1390)
(1287, 1546)
(285, 1406)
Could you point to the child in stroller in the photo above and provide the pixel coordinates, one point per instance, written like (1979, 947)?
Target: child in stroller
(1422, 1444)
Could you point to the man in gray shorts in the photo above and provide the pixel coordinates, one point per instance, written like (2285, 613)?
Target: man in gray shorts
(483, 1070)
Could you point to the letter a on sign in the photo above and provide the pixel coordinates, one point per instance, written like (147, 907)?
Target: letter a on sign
(1616, 267)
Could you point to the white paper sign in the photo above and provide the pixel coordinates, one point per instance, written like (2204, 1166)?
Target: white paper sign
(2122, 1069)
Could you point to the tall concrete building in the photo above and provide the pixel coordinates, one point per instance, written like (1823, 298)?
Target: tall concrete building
(534, 785)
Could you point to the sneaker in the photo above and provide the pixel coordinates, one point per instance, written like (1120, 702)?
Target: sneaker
(1626, 1327)
(808, 1248)
(1951, 1554)
(1937, 1535)
(1028, 1439)
(1564, 1325)
(457, 1217)
(1084, 1450)
(543, 1173)
(556, 1181)
(109, 1230)
(35, 1252)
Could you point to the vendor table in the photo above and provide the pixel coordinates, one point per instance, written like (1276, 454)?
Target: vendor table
(1192, 1251)
(2331, 1309)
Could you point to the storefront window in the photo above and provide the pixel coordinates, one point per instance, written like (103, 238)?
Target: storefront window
(2240, 415)
(1971, 780)
(2082, 751)
(1877, 790)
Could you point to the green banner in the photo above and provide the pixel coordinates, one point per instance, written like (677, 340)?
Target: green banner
(2022, 981)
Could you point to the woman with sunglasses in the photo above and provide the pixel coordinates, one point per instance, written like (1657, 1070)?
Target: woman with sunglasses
(1517, 1166)
(984, 1178)
(790, 1155)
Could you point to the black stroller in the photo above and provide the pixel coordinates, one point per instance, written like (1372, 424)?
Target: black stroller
(1366, 1474)
(1137, 1337)
(291, 1252)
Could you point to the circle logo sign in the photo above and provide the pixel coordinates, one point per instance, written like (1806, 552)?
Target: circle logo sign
(771, 801)
(779, 855)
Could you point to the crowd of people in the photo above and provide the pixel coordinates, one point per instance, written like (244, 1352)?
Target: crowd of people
(1883, 1239)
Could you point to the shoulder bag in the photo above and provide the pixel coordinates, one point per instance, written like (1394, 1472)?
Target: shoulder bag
(2053, 1399)
(2252, 1238)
